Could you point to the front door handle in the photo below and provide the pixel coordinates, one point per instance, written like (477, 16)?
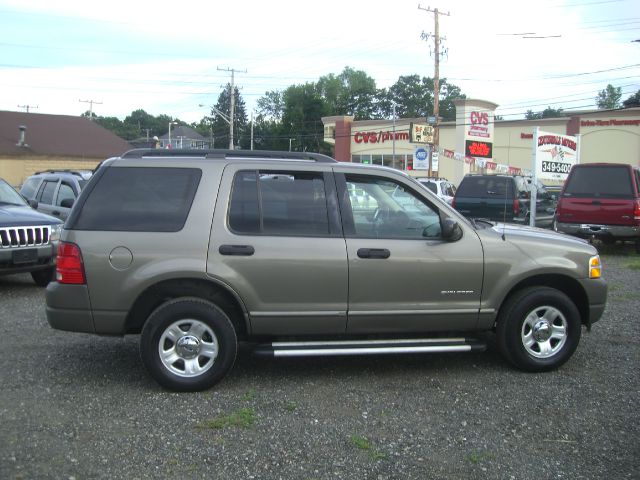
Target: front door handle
(238, 250)
(374, 253)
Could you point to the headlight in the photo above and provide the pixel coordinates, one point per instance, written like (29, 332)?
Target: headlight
(595, 267)
(55, 232)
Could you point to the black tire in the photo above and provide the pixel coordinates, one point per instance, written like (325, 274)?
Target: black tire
(198, 340)
(42, 278)
(538, 329)
(637, 246)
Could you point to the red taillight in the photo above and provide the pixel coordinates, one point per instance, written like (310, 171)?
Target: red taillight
(516, 207)
(69, 268)
(453, 202)
(636, 210)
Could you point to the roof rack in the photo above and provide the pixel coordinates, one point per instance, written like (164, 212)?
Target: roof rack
(72, 172)
(221, 153)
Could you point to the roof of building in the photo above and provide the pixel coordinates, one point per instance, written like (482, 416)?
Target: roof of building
(57, 135)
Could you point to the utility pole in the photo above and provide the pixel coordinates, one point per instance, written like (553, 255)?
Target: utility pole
(27, 107)
(233, 102)
(90, 102)
(436, 74)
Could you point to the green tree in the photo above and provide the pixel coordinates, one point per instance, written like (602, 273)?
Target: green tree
(352, 92)
(609, 98)
(302, 118)
(221, 127)
(632, 101)
(546, 113)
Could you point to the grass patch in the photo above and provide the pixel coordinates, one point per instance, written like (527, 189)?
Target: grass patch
(249, 395)
(635, 265)
(363, 443)
(243, 418)
(478, 456)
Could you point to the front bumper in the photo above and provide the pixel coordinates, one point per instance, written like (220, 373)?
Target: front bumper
(27, 259)
(596, 290)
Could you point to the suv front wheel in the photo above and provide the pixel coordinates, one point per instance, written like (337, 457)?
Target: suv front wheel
(188, 344)
(538, 329)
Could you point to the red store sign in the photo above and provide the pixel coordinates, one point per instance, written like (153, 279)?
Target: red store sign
(379, 137)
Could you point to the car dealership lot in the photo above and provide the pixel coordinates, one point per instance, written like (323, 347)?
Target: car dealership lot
(80, 406)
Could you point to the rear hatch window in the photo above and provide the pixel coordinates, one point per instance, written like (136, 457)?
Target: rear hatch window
(600, 182)
(483, 187)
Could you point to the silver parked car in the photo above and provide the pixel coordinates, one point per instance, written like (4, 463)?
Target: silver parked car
(297, 254)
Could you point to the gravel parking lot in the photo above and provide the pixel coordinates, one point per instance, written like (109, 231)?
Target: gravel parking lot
(78, 406)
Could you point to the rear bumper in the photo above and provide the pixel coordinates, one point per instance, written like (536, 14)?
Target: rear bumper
(588, 230)
(68, 308)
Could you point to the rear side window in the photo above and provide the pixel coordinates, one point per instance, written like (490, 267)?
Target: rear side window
(140, 200)
(486, 187)
(431, 186)
(279, 203)
(602, 181)
(29, 188)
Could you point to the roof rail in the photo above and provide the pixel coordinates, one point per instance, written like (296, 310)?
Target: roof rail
(72, 172)
(221, 153)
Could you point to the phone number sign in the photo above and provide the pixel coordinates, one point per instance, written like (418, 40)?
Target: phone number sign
(555, 167)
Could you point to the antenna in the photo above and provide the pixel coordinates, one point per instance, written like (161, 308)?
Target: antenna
(504, 211)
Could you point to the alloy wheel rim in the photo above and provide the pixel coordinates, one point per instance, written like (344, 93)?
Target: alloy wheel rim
(188, 348)
(544, 332)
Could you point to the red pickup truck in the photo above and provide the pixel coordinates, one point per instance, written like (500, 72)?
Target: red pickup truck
(601, 200)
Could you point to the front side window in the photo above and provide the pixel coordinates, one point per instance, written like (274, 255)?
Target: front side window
(279, 203)
(136, 199)
(385, 209)
(64, 192)
(47, 190)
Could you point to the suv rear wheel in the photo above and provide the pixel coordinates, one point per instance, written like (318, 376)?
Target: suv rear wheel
(538, 329)
(188, 344)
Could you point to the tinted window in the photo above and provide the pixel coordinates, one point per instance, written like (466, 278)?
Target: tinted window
(46, 191)
(384, 209)
(431, 186)
(140, 200)
(29, 187)
(605, 181)
(279, 203)
(490, 186)
(65, 191)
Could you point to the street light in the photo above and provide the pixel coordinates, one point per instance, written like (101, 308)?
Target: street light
(226, 118)
(171, 123)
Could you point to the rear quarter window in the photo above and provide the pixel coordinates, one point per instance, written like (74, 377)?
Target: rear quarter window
(602, 181)
(140, 200)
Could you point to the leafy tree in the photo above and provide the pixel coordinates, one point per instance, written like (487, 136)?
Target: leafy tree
(302, 118)
(609, 98)
(546, 113)
(352, 92)
(271, 106)
(632, 101)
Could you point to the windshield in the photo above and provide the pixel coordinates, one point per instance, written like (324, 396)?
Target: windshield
(8, 196)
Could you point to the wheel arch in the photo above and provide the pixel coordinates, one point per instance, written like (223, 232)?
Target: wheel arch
(567, 285)
(166, 290)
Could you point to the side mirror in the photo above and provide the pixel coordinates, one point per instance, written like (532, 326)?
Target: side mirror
(32, 203)
(451, 230)
(67, 203)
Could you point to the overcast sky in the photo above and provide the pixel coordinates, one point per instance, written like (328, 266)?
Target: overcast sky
(163, 57)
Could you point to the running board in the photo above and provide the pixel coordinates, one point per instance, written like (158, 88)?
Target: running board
(369, 347)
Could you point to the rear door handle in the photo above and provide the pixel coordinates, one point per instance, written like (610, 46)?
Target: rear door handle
(238, 250)
(374, 253)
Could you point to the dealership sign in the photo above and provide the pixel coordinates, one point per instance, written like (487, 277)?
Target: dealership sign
(554, 155)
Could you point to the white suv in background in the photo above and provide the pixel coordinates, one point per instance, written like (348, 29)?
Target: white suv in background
(440, 186)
